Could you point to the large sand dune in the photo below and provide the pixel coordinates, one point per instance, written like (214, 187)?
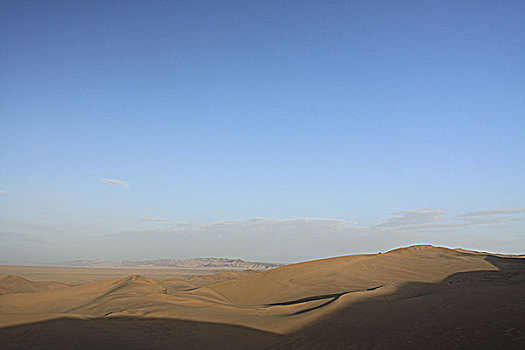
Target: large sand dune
(414, 297)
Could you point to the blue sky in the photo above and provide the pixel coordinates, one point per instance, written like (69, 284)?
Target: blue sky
(210, 111)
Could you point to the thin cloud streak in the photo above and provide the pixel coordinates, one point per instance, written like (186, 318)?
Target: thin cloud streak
(149, 218)
(115, 182)
(413, 217)
(476, 220)
(262, 223)
(495, 211)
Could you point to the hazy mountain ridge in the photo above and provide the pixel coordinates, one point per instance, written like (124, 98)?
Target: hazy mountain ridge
(217, 263)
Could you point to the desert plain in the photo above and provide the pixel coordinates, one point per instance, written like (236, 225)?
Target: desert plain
(408, 298)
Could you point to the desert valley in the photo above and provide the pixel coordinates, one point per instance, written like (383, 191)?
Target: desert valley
(414, 297)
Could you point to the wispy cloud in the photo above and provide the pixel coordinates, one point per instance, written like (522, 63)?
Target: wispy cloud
(413, 217)
(150, 218)
(492, 216)
(262, 223)
(428, 228)
(476, 220)
(115, 182)
(495, 212)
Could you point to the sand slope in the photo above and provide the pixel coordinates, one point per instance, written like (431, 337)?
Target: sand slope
(350, 274)
(15, 284)
(351, 301)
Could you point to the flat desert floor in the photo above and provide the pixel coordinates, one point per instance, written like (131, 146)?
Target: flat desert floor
(409, 298)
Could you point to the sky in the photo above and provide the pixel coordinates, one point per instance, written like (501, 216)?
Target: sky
(270, 130)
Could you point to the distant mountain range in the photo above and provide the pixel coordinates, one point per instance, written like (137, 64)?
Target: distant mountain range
(198, 263)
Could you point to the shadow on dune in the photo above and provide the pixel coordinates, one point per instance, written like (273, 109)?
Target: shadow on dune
(468, 310)
(132, 333)
(331, 298)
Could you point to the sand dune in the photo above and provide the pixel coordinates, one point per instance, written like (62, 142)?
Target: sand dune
(15, 284)
(350, 274)
(297, 305)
